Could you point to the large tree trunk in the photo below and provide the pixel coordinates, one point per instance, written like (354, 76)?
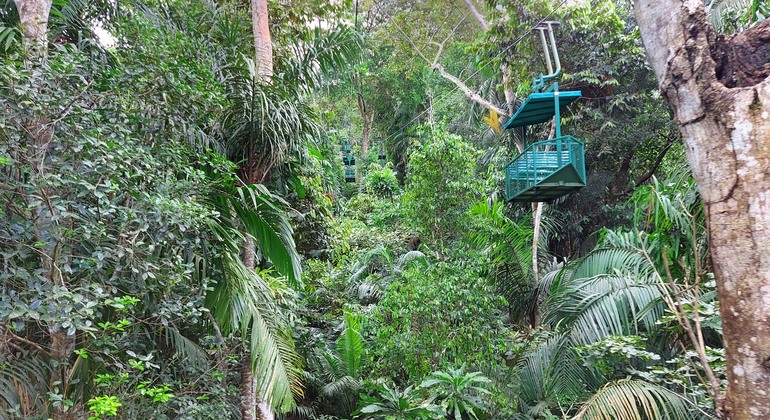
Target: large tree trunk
(720, 95)
(33, 15)
(263, 46)
(366, 135)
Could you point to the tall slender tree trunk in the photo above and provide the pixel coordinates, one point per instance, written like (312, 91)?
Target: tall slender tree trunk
(367, 115)
(253, 407)
(366, 133)
(510, 99)
(33, 15)
(263, 45)
(720, 94)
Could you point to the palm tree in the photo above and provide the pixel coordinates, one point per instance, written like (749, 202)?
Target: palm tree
(380, 262)
(242, 301)
(341, 373)
(268, 121)
(508, 244)
(610, 292)
(624, 288)
(392, 403)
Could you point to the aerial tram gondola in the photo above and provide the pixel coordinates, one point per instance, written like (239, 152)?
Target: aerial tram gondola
(550, 168)
(349, 162)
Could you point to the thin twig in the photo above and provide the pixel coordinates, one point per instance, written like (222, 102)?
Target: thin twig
(700, 348)
(24, 340)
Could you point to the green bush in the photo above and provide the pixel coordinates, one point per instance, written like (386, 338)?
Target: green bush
(381, 181)
(436, 317)
(441, 186)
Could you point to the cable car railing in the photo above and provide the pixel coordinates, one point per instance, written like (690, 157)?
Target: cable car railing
(556, 163)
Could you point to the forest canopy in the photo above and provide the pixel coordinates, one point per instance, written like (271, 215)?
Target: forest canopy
(302, 209)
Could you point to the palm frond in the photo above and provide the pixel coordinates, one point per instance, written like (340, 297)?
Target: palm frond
(265, 122)
(350, 345)
(10, 37)
(276, 364)
(664, 206)
(377, 259)
(611, 305)
(367, 291)
(341, 387)
(23, 383)
(634, 400)
(185, 349)
(609, 292)
(552, 370)
(242, 302)
(410, 259)
(260, 213)
(322, 52)
(263, 219)
(509, 242)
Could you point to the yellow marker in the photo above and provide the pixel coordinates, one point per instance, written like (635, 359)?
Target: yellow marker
(493, 120)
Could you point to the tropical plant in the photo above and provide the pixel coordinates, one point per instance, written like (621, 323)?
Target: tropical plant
(634, 399)
(271, 122)
(508, 245)
(609, 292)
(243, 302)
(731, 16)
(391, 403)
(550, 376)
(456, 321)
(342, 374)
(457, 391)
(128, 218)
(647, 283)
(373, 271)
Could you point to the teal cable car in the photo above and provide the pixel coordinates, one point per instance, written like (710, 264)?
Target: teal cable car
(349, 161)
(550, 168)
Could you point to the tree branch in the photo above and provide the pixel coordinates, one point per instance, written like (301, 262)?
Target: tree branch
(658, 160)
(436, 66)
(684, 322)
(475, 12)
(473, 96)
(10, 334)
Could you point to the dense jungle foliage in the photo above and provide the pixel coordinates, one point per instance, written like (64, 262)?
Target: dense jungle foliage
(413, 292)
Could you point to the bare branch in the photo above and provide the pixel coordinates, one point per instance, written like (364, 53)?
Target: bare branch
(475, 12)
(475, 97)
(684, 322)
(658, 160)
(441, 45)
(435, 65)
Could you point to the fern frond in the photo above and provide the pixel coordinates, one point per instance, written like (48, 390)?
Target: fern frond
(634, 400)
(185, 349)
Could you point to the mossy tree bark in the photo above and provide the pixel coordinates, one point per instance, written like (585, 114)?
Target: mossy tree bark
(33, 15)
(719, 91)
